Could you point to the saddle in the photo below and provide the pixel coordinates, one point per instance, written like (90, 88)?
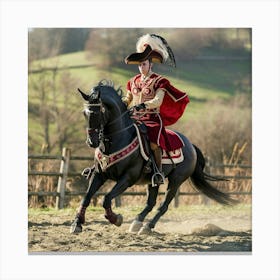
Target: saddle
(168, 157)
(141, 141)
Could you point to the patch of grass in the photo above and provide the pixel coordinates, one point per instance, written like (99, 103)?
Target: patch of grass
(69, 59)
(216, 78)
(202, 80)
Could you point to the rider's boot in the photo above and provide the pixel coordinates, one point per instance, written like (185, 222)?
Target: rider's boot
(158, 176)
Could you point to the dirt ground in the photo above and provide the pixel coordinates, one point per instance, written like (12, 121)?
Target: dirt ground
(182, 230)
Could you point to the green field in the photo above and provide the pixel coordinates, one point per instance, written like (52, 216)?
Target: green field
(204, 80)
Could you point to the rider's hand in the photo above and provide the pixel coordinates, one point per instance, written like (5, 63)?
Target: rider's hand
(125, 103)
(140, 107)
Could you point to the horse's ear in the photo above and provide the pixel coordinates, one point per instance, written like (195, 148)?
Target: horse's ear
(85, 96)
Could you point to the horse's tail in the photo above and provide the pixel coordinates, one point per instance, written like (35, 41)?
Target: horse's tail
(199, 178)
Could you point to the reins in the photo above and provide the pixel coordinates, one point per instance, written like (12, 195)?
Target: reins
(101, 135)
(115, 120)
(119, 131)
(102, 109)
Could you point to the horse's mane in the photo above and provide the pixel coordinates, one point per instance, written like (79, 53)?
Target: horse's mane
(110, 83)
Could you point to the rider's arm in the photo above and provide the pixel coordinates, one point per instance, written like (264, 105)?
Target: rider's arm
(128, 98)
(156, 101)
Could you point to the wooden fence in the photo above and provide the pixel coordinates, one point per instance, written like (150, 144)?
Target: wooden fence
(64, 173)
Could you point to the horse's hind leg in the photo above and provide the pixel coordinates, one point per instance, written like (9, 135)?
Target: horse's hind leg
(151, 202)
(96, 181)
(170, 194)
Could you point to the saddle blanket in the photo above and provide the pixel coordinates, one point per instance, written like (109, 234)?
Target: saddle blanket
(105, 161)
(173, 140)
(177, 156)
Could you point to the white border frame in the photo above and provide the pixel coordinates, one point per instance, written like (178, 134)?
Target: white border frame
(18, 16)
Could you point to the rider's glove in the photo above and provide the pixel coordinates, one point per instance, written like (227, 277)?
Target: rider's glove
(140, 107)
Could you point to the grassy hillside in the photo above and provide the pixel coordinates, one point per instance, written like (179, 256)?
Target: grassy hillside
(217, 77)
(204, 80)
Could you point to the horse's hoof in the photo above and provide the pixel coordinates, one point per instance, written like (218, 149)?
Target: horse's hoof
(76, 227)
(119, 220)
(135, 226)
(145, 230)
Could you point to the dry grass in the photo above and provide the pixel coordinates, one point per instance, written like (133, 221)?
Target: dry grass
(44, 183)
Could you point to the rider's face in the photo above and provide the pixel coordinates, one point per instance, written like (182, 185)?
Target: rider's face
(144, 67)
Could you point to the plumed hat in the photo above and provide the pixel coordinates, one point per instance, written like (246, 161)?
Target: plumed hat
(154, 47)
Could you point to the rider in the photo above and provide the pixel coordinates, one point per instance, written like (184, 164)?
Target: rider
(156, 101)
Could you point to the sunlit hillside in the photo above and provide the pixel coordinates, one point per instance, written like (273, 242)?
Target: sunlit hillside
(53, 84)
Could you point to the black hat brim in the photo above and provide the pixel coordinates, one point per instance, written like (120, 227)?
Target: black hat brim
(148, 53)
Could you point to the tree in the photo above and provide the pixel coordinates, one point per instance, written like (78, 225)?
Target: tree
(73, 39)
(49, 42)
(54, 118)
(43, 43)
(188, 42)
(109, 46)
(50, 109)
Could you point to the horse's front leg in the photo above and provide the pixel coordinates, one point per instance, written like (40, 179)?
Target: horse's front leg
(96, 181)
(118, 189)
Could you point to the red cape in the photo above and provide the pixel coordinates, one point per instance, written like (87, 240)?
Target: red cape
(173, 105)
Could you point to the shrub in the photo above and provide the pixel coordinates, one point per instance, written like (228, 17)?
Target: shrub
(223, 128)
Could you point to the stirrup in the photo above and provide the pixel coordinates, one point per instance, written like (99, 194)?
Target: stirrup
(158, 181)
(87, 172)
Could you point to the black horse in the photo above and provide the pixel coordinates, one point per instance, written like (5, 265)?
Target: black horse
(113, 133)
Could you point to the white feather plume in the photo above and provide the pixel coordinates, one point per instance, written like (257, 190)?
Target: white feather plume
(155, 43)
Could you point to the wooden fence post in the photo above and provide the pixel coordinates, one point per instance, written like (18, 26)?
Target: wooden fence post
(64, 167)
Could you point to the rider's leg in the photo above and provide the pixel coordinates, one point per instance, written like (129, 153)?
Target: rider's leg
(158, 155)
(158, 158)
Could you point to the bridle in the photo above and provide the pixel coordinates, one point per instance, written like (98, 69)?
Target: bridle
(97, 134)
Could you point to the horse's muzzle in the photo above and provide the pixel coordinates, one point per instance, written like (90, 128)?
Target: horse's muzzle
(92, 138)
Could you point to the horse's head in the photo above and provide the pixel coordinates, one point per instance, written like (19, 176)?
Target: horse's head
(95, 113)
(105, 112)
